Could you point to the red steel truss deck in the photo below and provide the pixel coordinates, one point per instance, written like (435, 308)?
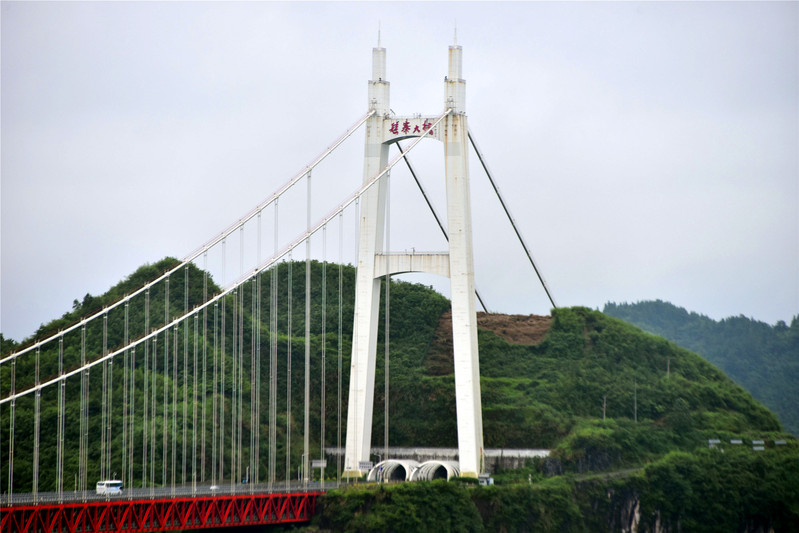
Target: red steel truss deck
(201, 512)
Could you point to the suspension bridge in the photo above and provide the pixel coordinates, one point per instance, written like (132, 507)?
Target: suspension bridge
(182, 390)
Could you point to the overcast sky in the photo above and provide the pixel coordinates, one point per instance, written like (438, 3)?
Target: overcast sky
(646, 150)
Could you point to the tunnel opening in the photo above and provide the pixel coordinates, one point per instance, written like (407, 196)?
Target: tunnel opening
(430, 470)
(398, 474)
(392, 470)
(439, 473)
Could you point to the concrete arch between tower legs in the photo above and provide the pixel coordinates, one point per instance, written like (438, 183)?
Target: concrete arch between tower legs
(402, 263)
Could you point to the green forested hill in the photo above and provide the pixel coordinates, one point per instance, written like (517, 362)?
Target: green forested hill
(762, 358)
(600, 392)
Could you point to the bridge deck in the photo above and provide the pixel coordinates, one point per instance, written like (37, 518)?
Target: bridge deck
(116, 514)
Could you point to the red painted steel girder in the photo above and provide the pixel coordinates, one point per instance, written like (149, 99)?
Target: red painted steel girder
(134, 516)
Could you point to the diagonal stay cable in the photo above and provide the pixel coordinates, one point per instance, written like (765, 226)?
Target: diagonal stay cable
(260, 268)
(510, 218)
(433, 211)
(204, 248)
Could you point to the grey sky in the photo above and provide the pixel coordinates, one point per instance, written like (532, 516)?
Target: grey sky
(647, 150)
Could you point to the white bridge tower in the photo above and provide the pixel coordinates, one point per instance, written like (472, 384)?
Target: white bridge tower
(383, 129)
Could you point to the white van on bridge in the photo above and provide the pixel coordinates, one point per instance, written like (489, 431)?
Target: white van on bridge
(112, 486)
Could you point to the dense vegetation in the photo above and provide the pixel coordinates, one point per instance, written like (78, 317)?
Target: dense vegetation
(589, 364)
(603, 395)
(705, 491)
(763, 359)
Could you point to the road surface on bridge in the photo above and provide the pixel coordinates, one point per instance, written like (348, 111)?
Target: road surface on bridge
(182, 491)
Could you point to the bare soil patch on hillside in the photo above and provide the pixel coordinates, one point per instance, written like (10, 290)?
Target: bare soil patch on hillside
(516, 329)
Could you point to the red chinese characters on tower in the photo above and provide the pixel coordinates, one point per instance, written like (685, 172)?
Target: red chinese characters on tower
(409, 128)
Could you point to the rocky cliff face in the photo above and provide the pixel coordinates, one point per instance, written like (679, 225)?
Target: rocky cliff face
(614, 506)
(606, 503)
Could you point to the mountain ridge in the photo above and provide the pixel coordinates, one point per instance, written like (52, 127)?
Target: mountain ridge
(763, 359)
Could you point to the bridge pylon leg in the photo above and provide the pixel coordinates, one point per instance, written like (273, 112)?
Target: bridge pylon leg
(367, 285)
(464, 310)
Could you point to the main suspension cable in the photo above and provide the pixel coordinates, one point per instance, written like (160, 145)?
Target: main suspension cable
(209, 244)
(150, 418)
(286, 250)
(510, 218)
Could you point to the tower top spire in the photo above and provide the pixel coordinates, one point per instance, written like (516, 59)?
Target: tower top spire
(378, 85)
(455, 35)
(378, 34)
